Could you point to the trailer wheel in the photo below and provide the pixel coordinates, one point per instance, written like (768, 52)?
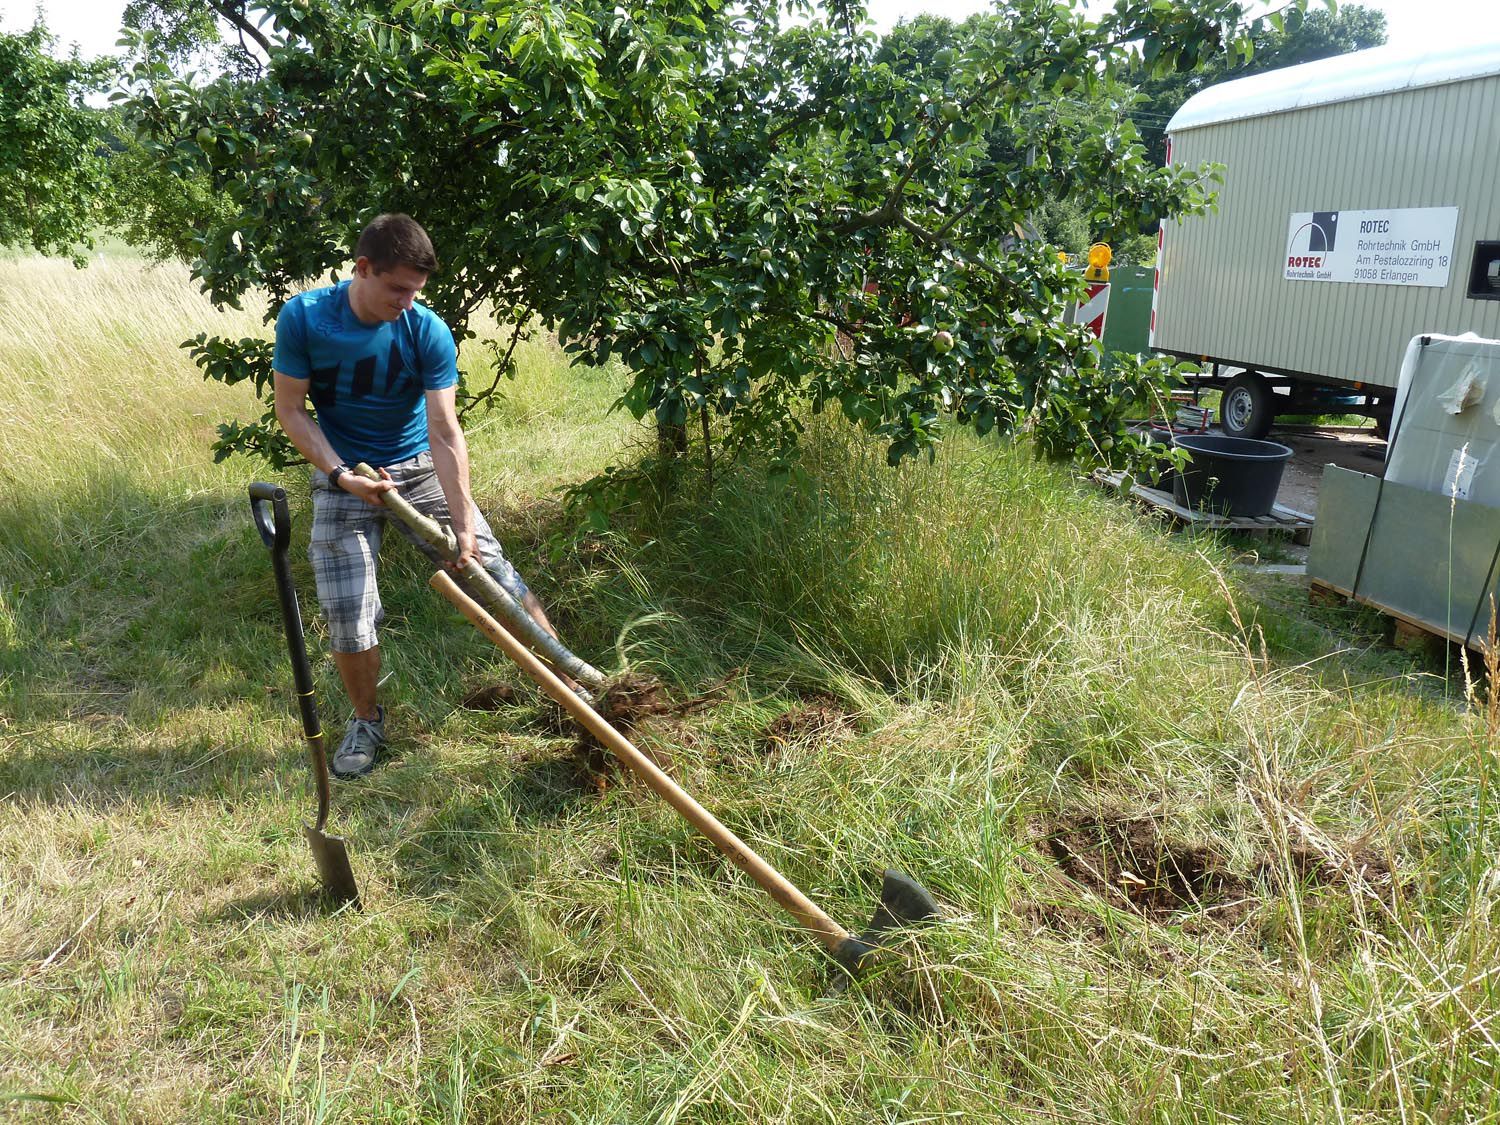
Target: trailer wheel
(1248, 406)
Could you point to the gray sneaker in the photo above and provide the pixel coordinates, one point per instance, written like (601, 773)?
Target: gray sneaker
(358, 754)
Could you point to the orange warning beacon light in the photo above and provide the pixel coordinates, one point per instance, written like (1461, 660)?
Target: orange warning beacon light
(1100, 255)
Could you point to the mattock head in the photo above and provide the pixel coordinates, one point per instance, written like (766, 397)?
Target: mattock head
(903, 902)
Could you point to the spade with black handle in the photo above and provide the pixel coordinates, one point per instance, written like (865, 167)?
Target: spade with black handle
(276, 532)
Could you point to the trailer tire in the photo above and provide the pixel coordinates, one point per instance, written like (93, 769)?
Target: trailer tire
(1248, 406)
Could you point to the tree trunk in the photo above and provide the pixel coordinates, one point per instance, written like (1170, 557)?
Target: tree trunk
(708, 452)
(671, 440)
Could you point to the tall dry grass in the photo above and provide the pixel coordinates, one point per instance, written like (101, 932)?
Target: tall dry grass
(101, 404)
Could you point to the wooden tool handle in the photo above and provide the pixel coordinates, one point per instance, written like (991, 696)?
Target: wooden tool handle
(497, 597)
(829, 932)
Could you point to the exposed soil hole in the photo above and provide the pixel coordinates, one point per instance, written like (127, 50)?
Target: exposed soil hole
(629, 698)
(819, 718)
(491, 697)
(624, 703)
(628, 702)
(1310, 865)
(1127, 862)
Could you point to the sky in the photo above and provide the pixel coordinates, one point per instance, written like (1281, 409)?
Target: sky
(94, 24)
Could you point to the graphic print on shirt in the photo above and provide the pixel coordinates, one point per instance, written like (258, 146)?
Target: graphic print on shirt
(395, 367)
(364, 377)
(326, 383)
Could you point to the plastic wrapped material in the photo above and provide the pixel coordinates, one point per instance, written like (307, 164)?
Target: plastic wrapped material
(1446, 426)
(1465, 392)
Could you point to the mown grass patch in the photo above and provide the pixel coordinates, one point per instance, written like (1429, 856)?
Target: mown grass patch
(997, 663)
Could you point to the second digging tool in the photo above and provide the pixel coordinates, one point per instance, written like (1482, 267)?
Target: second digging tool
(329, 852)
(489, 592)
(903, 901)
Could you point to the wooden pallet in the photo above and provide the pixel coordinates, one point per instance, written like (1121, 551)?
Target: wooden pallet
(1281, 520)
(1409, 633)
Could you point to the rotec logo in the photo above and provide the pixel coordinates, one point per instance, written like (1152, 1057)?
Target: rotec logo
(1312, 240)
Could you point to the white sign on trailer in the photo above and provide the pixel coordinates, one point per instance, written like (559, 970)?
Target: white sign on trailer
(1406, 246)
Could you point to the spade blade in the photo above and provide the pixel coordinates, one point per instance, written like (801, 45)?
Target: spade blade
(333, 866)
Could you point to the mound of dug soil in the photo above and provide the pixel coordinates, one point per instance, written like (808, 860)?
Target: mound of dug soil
(818, 718)
(631, 701)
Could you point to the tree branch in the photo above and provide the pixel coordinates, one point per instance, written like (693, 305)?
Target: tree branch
(889, 212)
(848, 328)
(500, 369)
(810, 109)
(937, 239)
(234, 15)
(249, 54)
(942, 231)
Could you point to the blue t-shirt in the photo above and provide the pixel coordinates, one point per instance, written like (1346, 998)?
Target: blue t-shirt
(367, 380)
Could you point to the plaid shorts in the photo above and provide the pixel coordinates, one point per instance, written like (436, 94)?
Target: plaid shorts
(346, 535)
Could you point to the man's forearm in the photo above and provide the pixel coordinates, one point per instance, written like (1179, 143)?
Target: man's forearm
(450, 460)
(308, 438)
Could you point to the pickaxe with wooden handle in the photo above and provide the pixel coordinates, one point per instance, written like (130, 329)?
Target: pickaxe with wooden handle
(902, 900)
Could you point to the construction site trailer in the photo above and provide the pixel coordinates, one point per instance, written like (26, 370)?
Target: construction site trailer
(1360, 207)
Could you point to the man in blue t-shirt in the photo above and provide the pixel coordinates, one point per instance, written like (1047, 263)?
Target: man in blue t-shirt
(381, 371)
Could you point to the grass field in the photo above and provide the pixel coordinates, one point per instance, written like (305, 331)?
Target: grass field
(1207, 854)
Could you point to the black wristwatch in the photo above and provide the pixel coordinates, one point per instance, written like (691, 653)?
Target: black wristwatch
(334, 474)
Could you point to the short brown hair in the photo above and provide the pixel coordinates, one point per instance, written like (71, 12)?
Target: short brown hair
(396, 240)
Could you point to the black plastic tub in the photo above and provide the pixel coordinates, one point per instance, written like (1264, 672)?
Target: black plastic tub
(1233, 476)
(1163, 479)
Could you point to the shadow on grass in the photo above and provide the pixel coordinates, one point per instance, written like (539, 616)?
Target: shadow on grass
(462, 847)
(308, 901)
(546, 789)
(124, 600)
(142, 651)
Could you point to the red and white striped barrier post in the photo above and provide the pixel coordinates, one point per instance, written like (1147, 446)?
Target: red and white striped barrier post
(1093, 309)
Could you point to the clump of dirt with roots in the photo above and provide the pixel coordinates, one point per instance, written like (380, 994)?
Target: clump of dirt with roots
(816, 719)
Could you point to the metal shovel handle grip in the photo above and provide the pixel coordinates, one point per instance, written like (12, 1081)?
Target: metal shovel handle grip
(276, 533)
(808, 913)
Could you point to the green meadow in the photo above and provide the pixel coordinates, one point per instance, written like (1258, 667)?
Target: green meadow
(1206, 852)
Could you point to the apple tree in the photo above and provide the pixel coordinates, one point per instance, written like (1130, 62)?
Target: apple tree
(51, 168)
(756, 213)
